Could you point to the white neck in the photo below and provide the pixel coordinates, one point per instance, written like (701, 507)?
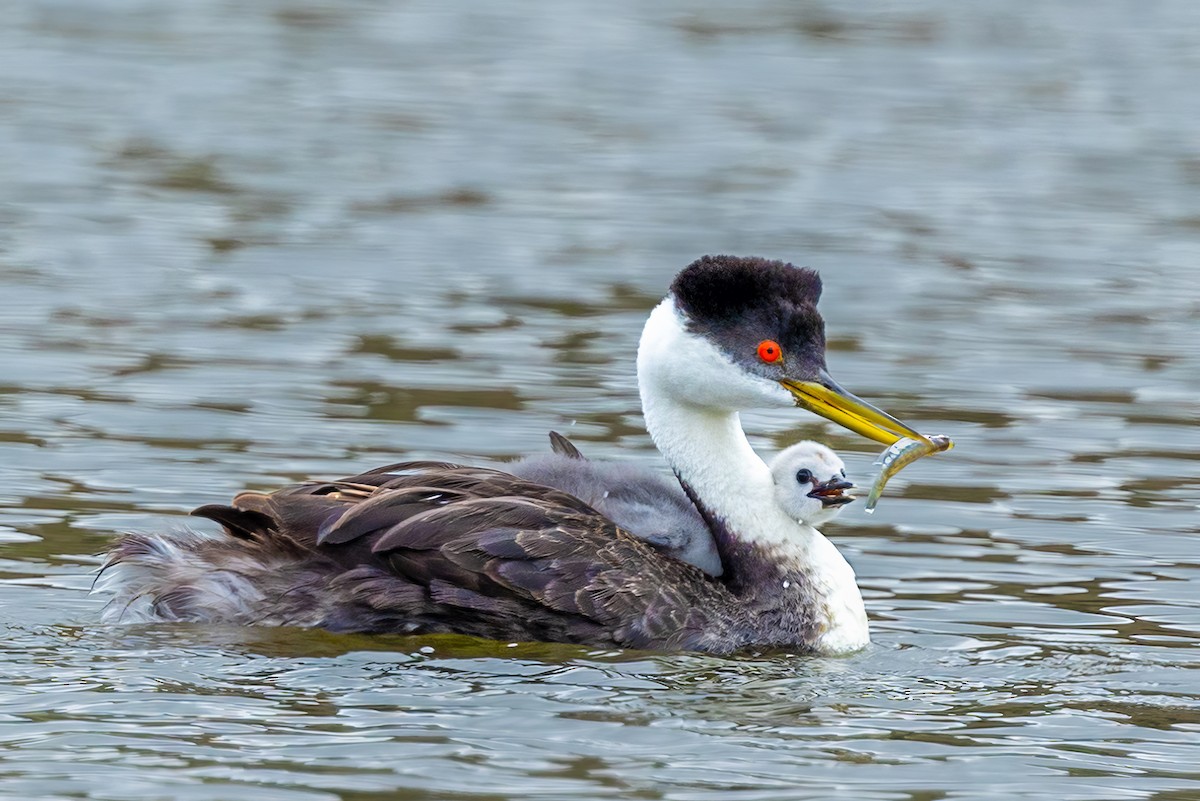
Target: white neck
(701, 438)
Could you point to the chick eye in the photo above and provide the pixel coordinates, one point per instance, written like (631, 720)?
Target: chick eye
(769, 351)
(804, 476)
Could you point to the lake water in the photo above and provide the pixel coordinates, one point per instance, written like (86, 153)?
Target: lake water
(243, 244)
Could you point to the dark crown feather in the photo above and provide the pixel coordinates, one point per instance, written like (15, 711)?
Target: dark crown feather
(718, 286)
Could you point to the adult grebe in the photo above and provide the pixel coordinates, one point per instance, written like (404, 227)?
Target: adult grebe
(432, 547)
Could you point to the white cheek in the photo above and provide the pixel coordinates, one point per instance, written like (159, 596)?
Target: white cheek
(691, 369)
(796, 504)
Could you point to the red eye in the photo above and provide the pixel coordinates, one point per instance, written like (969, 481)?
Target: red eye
(769, 351)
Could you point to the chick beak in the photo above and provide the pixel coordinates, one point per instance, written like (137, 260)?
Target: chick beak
(830, 493)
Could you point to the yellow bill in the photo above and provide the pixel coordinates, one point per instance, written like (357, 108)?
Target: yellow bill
(826, 398)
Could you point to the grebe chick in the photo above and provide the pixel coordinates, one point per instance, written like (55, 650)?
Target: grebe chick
(810, 482)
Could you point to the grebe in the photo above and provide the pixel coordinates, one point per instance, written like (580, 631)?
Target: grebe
(423, 547)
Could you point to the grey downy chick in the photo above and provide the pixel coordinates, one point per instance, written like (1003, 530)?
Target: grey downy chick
(644, 503)
(809, 484)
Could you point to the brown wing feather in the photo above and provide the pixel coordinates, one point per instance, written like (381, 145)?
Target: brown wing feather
(430, 546)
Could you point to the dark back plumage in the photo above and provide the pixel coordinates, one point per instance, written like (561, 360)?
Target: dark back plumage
(427, 547)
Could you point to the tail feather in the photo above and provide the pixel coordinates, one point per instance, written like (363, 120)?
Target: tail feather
(183, 576)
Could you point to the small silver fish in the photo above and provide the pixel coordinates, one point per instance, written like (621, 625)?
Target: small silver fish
(899, 455)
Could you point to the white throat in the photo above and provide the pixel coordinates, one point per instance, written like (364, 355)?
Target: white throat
(690, 393)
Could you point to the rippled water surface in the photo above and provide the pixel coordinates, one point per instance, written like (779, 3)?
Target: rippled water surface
(250, 243)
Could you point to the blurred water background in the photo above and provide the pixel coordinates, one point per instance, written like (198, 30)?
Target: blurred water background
(249, 243)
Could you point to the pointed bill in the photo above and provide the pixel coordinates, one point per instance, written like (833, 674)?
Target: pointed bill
(826, 398)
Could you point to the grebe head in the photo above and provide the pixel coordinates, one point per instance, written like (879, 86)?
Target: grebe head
(810, 483)
(739, 333)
